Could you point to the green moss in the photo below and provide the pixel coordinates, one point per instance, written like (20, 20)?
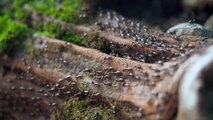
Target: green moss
(16, 10)
(46, 33)
(70, 10)
(70, 37)
(55, 30)
(97, 42)
(86, 110)
(67, 10)
(4, 6)
(12, 33)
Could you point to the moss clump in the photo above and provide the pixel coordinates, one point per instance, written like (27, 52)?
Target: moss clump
(86, 110)
(14, 9)
(12, 33)
(69, 11)
(18, 11)
(55, 30)
(5, 5)
(97, 42)
(66, 10)
(14, 19)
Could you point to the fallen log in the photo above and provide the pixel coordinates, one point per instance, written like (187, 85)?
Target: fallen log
(112, 77)
(158, 47)
(48, 72)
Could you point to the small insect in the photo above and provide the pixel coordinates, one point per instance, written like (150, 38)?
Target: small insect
(68, 92)
(30, 89)
(72, 83)
(107, 83)
(52, 89)
(96, 94)
(45, 95)
(126, 85)
(22, 88)
(13, 88)
(86, 91)
(57, 94)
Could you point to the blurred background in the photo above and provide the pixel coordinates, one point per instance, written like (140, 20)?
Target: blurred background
(158, 11)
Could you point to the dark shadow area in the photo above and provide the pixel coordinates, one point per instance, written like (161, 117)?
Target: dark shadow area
(154, 11)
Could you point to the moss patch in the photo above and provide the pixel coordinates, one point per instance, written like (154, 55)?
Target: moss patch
(87, 110)
(12, 33)
(18, 12)
(97, 42)
(65, 10)
(55, 30)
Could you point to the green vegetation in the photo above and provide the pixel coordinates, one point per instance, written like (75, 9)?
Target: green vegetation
(65, 10)
(12, 33)
(4, 3)
(97, 42)
(87, 110)
(17, 11)
(14, 19)
(16, 27)
(55, 30)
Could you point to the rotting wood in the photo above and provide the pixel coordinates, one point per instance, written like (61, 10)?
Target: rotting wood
(148, 88)
(132, 48)
(139, 89)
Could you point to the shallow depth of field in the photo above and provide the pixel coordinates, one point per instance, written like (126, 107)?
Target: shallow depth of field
(106, 59)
